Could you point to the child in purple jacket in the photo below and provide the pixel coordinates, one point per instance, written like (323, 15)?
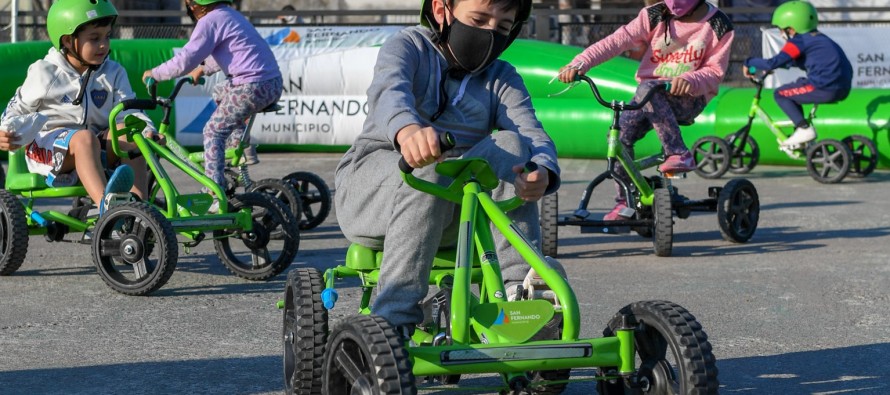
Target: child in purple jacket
(224, 40)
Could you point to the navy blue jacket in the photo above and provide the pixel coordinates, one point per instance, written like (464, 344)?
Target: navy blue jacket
(824, 61)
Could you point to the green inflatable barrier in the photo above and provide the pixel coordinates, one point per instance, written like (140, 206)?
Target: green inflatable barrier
(576, 122)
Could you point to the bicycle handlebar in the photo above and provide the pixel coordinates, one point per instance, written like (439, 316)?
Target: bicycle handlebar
(152, 85)
(446, 142)
(620, 105)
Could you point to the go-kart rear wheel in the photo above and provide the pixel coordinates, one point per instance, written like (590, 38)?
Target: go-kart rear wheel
(738, 210)
(673, 355)
(711, 157)
(365, 355)
(305, 332)
(549, 211)
(134, 248)
(13, 233)
(746, 158)
(283, 191)
(258, 256)
(865, 155)
(828, 161)
(315, 196)
(663, 226)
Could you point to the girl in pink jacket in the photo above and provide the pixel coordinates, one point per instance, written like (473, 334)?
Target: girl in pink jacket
(688, 44)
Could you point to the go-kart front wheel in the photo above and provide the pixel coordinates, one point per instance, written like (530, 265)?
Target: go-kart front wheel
(134, 248)
(256, 254)
(673, 355)
(305, 332)
(365, 355)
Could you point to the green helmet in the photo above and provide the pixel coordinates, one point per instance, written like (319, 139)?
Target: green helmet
(798, 15)
(525, 9)
(209, 2)
(65, 16)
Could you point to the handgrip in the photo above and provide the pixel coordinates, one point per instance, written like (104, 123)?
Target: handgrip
(446, 142)
(139, 104)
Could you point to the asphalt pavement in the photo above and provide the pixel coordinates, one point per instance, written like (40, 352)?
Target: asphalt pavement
(802, 308)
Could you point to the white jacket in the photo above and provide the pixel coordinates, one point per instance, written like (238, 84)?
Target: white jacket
(52, 84)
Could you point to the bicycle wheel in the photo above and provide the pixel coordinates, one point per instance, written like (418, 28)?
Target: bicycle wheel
(549, 229)
(13, 234)
(746, 158)
(738, 210)
(305, 332)
(865, 155)
(134, 249)
(315, 195)
(258, 256)
(711, 157)
(283, 191)
(673, 354)
(364, 355)
(828, 161)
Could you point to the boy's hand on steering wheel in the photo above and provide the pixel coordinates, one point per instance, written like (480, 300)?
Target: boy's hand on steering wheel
(530, 186)
(419, 145)
(7, 141)
(680, 87)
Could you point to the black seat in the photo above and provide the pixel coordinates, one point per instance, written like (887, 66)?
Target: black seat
(274, 107)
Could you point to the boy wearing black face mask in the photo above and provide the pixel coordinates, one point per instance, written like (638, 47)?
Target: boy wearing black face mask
(443, 76)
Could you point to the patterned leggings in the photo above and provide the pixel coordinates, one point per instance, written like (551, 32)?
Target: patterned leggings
(235, 104)
(661, 113)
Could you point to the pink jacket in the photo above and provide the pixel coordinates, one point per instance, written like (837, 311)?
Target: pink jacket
(696, 51)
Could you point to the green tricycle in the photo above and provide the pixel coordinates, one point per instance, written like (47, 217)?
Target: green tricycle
(828, 161)
(470, 327)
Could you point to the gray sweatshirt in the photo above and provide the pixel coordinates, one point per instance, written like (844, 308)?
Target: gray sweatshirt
(405, 91)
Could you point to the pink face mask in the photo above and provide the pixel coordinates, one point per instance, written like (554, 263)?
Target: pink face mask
(681, 7)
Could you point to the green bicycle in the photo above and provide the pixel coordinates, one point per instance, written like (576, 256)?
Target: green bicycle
(651, 346)
(828, 161)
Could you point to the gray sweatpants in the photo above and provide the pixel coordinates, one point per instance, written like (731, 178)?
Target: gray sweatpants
(373, 202)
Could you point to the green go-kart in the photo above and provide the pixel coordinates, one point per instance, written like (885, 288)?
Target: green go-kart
(304, 193)
(134, 245)
(648, 347)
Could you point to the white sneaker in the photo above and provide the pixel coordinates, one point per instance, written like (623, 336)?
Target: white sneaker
(800, 136)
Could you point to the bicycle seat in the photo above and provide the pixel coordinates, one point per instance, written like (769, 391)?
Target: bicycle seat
(19, 179)
(685, 123)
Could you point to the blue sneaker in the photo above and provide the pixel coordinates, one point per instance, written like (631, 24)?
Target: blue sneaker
(118, 188)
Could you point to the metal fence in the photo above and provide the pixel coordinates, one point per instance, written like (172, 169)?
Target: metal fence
(579, 27)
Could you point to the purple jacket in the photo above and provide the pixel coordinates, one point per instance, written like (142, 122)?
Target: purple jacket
(228, 42)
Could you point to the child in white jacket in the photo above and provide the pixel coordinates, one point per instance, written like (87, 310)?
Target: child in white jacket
(75, 87)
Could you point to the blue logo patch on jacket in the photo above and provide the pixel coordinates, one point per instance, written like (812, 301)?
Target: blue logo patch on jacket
(99, 96)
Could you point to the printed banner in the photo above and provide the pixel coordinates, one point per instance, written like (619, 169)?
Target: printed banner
(862, 45)
(326, 72)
